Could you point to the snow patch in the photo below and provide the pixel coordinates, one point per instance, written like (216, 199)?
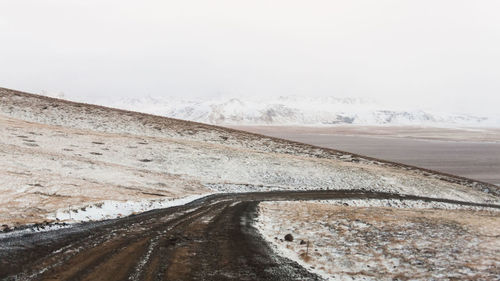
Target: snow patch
(110, 209)
(401, 203)
(34, 229)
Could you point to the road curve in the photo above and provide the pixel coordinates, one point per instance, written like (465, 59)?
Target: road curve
(209, 239)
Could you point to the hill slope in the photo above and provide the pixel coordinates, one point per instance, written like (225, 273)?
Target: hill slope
(58, 155)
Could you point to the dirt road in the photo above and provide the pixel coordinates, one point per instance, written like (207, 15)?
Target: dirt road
(209, 239)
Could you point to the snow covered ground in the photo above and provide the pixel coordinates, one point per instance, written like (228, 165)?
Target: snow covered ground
(57, 156)
(385, 239)
(46, 169)
(115, 209)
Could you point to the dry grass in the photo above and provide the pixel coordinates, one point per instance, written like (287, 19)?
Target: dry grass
(58, 154)
(64, 171)
(386, 243)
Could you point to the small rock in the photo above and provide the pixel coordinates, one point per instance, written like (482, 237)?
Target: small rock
(289, 237)
(302, 242)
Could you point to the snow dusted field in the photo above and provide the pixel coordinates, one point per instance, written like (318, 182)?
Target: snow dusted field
(59, 158)
(368, 240)
(48, 171)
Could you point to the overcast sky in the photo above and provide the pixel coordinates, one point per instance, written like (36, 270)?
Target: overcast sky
(423, 52)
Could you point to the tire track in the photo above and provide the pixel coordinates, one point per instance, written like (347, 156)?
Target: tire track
(209, 239)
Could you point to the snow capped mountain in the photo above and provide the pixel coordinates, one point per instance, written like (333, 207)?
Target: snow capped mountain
(294, 110)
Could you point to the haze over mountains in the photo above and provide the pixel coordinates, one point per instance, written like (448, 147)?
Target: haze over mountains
(296, 110)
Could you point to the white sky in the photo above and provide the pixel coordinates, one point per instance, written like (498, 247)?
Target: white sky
(424, 52)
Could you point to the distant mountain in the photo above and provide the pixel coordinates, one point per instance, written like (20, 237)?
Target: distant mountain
(293, 110)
